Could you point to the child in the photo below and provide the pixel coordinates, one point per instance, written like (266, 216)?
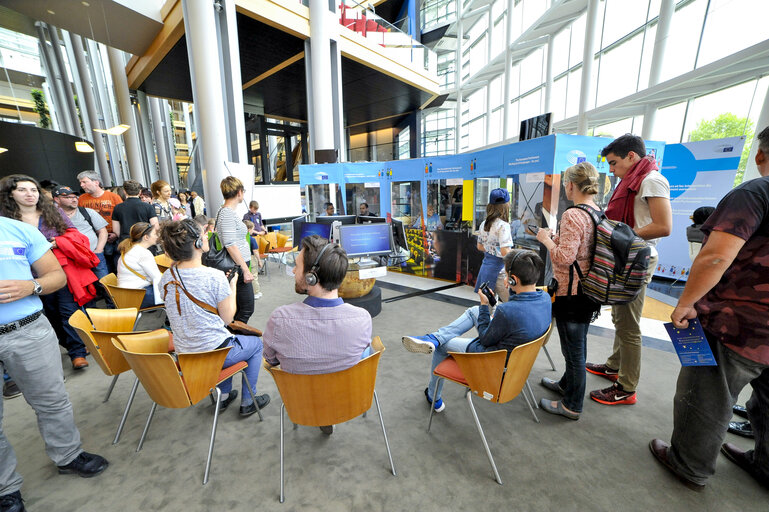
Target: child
(255, 251)
(178, 213)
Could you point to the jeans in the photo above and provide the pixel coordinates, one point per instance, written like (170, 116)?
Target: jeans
(244, 298)
(626, 355)
(111, 255)
(489, 271)
(248, 349)
(449, 341)
(101, 269)
(31, 356)
(702, 409)
(149, 297)
(59, 306)
(573, 337)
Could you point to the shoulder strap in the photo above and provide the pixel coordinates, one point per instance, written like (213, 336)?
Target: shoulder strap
(85, 214)
(122, 258)
(596, 216)
(178, 284)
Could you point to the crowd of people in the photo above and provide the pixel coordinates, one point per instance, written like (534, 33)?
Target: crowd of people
(57, 247)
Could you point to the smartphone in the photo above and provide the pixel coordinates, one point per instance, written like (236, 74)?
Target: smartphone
(532, 228)
(488, 293)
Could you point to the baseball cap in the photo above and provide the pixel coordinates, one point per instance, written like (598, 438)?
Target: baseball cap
(499, 195)
(63, 191)
(175, 202)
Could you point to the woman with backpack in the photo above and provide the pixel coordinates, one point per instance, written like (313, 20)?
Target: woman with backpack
(572, 310)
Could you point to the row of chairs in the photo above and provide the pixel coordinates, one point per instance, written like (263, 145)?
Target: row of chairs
(184, 380)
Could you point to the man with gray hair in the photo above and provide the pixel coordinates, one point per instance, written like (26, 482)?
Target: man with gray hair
(728, 290)
(104, 202)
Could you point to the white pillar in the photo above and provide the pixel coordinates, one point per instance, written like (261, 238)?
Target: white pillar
(667, 9)
(65, 83)
(87, 100)
(54, 80)
(490, 23)
(591, 25)
(104, 108)
(751, 171)
(549, 74)
(160, 140)
(458, 67)
(207, 86)
(236, 121)
(508, 55)
(323, 25)
(148, 148)
(123, 99)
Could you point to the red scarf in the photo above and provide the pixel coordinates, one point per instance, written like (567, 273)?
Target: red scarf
(621, 207)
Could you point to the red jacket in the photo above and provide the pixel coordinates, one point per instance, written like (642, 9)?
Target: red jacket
(76, 258)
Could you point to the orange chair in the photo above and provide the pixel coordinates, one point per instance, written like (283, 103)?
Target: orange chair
(126, 297)
(178, 386)
(163, 262)
(329, 399)
(485, 374)
(264, 249)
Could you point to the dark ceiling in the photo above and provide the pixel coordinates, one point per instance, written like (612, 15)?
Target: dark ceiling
(368, 95)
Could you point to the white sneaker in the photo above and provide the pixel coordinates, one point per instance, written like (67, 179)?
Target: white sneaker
(257, 296)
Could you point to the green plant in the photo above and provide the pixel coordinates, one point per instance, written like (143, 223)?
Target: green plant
(727, 125)
(41, 108)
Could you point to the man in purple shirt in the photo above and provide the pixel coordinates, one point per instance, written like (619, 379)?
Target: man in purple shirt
(321, 334)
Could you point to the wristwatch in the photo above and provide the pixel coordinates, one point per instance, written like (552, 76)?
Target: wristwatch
(38, 289)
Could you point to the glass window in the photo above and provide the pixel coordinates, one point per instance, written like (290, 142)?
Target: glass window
(577, 40)
(646, 58)
(681, 48)
(667, 124)
(404, 144)
(530, 105)
(734, 100)
(512, 119)
(621, 18)
(561, 51)
(729, 28)
(406, 202)
(477, 132)
(558, 99)
(531, 70)
(358, 193)
(495, 91)
(532, 10)
(619, 70)
(572, 93)
(318, 196)
(495, 128)
(476, 103)
(614, 130)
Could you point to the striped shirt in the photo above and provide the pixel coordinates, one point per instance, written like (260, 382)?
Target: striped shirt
(316, 336)
(232, 231)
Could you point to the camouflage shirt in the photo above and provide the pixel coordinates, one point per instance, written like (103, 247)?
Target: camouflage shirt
(736, 310)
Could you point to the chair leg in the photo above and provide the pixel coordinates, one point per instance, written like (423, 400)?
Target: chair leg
(531, 394)
(253, 397)
(111, 387)
(532, 409)
(125, 412)
(213, 434)
(282, 409)
(469, 396)
(147, 426)
(552, 364)
(432, 409)
(384, 433)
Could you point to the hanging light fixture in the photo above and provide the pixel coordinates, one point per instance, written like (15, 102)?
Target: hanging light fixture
(83, 147)
(115, 130)
(3, 150)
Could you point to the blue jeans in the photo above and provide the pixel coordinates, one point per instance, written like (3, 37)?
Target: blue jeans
(248, 349)
(59, 306)
(573, 337)
(101, 269)
(149, 297)
(489, 271)
(702, 409)
(449, 341)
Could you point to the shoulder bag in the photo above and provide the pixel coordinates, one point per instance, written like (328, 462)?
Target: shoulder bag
(217, 256)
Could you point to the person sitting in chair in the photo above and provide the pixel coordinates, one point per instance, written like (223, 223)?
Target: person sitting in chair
(195, 327)
(523, 318)
(321, 334)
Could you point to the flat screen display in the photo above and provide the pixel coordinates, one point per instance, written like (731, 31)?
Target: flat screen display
(367, 219)
(343, 219)
(312, 228)
(365, 239)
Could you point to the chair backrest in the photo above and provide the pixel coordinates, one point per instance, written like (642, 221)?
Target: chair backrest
(376, 344)
(282, 240)
(113, 320)
(264, 244)
(200, 371)
(519, 366)
(157, 371)
(163, 262)
(122, 297)
(329, 398)
(82, 325)
(483, 371)
(272, 238)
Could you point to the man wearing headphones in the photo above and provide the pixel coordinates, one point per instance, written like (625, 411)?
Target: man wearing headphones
(524, 317)
(321, 334)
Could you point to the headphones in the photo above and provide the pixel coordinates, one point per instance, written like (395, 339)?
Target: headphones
(511, 279)
(311, 277)
(193, 230)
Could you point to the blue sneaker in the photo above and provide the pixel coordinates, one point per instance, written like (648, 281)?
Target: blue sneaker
(420, 344)
(439, 406)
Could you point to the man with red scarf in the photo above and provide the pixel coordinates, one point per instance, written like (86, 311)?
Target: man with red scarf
(642, 201)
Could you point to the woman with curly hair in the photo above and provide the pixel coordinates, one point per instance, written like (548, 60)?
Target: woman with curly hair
(20, 199)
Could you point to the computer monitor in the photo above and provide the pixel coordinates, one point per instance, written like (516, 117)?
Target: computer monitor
(399, 235)
(312, 228)
(368, 219)
(330, 219)
(365, 239)
(296, 226)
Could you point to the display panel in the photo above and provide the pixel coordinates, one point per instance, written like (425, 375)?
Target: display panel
(371, 220)
(343, 219)
(365, 239)
(312, 228)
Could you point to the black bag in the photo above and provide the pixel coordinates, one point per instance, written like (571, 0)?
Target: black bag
(217, 256)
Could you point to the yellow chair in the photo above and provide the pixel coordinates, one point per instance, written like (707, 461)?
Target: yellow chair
(264, 249)
(126, 297)
(97, 333)
(485, 374)
(163, 262)
(330, 398)
(178, 386)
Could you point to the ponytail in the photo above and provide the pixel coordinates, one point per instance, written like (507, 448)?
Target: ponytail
(135, 236)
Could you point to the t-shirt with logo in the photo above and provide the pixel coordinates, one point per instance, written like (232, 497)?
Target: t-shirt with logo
(20, 246)
(736, 310)
(104, 205)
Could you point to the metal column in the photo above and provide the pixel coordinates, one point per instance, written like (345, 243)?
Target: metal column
(508, 56)
(54, 80)
(123, 99)
(667, 9)
(458, 67)
(103, 104)
(65, 84)
(591, 25)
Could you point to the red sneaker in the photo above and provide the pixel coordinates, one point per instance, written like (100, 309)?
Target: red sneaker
(603, 371)
(613, 395)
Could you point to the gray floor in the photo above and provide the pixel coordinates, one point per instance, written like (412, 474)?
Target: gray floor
(599, 463)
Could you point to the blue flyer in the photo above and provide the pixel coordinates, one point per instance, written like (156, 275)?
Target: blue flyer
(690, 344)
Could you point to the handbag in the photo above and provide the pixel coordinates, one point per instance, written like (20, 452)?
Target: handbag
(235, 327)
(217, 256)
